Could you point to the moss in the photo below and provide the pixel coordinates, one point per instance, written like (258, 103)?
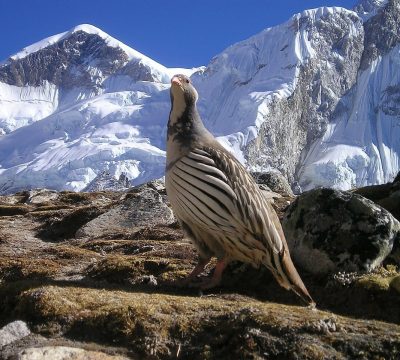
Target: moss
(111, 246)
(119, 269)
(156, 324)
(71, 197)
(157, 233)
(10, 210)
(70, 252)
(50, 207)
(374, 282)
(379, 280)
(27, 268)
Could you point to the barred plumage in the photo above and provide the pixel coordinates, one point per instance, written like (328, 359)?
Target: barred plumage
(217, 202)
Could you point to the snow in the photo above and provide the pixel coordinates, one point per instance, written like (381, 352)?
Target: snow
(163, 73)
(67, 149)
(369, 8)
(362, 146)
(240, 84)
(20, 106)
(64, 139)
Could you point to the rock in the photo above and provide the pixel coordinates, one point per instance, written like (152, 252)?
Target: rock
(106, 181)
(395, 283)
(397, 179)
(157, 184)
(13, 332)
(274, 180)
(38, 196)
(115, 293)
(330, 230)
(142, 206)
(64, 353)
(386, 195)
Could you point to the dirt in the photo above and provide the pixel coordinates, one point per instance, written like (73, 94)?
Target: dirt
(119, 294)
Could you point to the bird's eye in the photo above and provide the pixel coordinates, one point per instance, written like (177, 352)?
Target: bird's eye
(187, 81)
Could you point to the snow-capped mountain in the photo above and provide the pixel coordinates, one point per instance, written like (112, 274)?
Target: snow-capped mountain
(316, 98)
(361, 145)
(277, 90)
(77, 104)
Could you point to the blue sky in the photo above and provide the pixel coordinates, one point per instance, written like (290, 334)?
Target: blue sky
(175, 33)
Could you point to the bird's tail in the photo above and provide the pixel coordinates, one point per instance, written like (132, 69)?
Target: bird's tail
(290, 279)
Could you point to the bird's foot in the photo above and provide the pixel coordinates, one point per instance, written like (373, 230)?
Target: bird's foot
(215, 280)
(203, 283)
(192, 279)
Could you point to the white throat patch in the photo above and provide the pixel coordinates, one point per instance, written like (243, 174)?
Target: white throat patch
(178, 107)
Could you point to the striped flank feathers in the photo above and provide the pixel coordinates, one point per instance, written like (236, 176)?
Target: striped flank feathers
(219, 205)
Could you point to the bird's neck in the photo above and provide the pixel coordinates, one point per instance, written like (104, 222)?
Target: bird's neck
(185, 130)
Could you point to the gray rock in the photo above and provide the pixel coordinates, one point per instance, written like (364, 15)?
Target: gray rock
(385, 195)
(12, 332)
(106, 181)
(65, 63)
(329, 230)
(142, 206)
(292, 124)
(397, 179)
(38, 196)
(64, 353)
(274, 181)
(382, 33)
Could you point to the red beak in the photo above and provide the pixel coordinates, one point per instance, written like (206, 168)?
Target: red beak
(175, 80)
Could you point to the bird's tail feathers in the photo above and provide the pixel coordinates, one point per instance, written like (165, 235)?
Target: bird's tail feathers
(291, 279)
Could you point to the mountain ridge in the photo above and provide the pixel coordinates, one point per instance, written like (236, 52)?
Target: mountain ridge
(107, 111)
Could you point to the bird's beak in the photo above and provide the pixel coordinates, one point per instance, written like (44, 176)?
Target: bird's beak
(175, 80)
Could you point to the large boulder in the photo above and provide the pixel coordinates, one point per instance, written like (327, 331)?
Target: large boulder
(144, 205)
(12, 332)
(330, 230)
(38, 196)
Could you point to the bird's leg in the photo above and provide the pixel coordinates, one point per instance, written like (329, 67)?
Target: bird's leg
(217, 275)
(202, 263)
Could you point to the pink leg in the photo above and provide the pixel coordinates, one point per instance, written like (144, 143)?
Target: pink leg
(202, 263)
(217, 276)
(199, 268)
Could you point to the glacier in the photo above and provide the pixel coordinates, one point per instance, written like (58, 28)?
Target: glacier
(62, 138)
(315, 98)
(362, 145)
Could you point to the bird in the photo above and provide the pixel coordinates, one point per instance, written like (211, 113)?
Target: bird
(217, 202)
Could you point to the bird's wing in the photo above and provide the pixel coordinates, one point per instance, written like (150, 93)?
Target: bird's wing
(220, 193)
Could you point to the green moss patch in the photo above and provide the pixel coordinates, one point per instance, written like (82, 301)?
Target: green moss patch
(379, 280)
(13, 269)
(122, 269)
(10, 210)
(69, 252)
(161, 325)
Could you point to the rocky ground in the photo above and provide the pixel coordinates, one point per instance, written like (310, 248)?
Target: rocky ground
(91, 276)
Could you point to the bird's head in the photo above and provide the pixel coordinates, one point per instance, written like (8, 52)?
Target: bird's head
(183, 93)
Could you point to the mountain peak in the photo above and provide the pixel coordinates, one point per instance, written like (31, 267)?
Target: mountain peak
(90, 29)
(86, 28)
(368, 8)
